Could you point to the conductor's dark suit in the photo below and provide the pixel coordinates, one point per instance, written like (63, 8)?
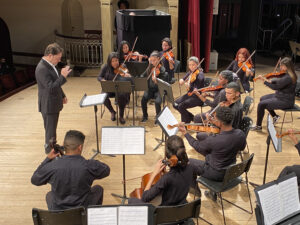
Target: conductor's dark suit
(50, 97)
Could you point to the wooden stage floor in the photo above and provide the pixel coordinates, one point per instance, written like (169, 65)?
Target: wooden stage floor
(21, 151)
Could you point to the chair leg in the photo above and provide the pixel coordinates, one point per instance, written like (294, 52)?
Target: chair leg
(102, 110)
(220, 195)
(282, 122)
(241, 155)
(249, 194)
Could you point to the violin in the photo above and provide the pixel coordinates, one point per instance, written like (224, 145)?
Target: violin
(207, 89)
(134, 55)
(287, 133)
(228, 103)
(272, 75)
(169, 55)
(121, 70)
(244, 66)
(138, 192)
(155, 71)
(197, 128)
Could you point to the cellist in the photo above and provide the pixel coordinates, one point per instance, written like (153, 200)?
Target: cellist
(284, 97)
(193, 79)
(175, 184)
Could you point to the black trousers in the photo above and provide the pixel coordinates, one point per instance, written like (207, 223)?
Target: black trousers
(50, 125)
(123, 100)
(185, 102)
(95, 197)
(150, 94)
(270, 102)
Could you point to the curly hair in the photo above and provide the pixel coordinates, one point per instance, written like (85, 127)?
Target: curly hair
(225, 115)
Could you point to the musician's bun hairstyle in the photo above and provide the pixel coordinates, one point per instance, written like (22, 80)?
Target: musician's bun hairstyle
(290, 68)
(155, 54)
(225, 115)
(194, 59)
(227, 75)
(175, 146)
(234, 86)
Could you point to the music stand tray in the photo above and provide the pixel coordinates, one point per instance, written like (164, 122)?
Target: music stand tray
(165, 91)
(137, 68)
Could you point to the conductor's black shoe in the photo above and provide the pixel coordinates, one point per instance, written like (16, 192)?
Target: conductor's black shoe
(211, 195)
(113, 116)
(144, 120)
(122, 121)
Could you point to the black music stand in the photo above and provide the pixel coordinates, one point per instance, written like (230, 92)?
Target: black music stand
(140, 84)
(165, 90)
(137, 68)
(94, 100)
(116, 87)
(123, 141)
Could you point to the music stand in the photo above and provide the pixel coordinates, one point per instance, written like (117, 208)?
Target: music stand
(94, 100)
(166, 92)
(123, 141)
(137, 68)
(140, 84)
(116, 87)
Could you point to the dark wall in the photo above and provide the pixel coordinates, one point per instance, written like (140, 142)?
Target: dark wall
(5, 45)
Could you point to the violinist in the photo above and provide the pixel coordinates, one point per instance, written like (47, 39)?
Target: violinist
(168, 60)
(124, 52)
(284, 96)
(111, 71)
(218, 96)
(246, 71)
(194, 79)
(155, 70)
(219, 150)
(173, 185)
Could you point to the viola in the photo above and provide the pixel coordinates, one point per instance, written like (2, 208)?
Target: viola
(272, 75)
(169, 55)
(207, 89)
(244, 66)
(138, 192)
(197, 127)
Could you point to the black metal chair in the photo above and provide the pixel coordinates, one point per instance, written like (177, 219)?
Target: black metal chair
(231, 179)
(207, 81)
(245, 127)
(179, 214)
(75, 216)
(296, 108)
(247, 104)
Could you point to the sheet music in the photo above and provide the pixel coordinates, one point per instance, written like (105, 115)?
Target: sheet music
(102, 216)
(165, 118)
(288, 190)
(279, 200)
(133, 215)
(123, 140)
(94, 100)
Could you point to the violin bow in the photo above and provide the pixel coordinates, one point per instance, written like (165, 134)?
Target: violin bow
(244, 63)
(278, 62)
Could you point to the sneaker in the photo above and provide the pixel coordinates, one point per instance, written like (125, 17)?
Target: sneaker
(122, 121)
(144, 120)
(113, 116)
(275, 119)
(256, 128)
(211, 195)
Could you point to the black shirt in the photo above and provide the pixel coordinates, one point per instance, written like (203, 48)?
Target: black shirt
(219, 96)
(219, 150)
(162, 75)
(237, 109)
(174, 186)
(71, 177)
(198, 83)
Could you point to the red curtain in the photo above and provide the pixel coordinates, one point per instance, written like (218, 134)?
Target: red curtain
(194, 26)
(197, 33)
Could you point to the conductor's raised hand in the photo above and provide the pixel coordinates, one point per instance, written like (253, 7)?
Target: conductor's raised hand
(65, 71)
(52, 154)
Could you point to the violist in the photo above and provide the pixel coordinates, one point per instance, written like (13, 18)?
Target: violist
(110, 72)
(194, 79)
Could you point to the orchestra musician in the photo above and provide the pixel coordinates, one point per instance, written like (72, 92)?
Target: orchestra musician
(225, 77)
(246, 71)
(194, 79)
(175, 184)
(168, 62)
(219, 150)
(111, 71)
(124, 52)
(71, 176)
(155, 70)
(284, 96)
